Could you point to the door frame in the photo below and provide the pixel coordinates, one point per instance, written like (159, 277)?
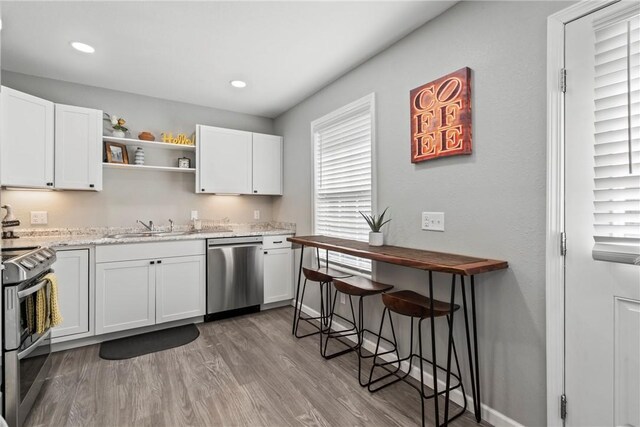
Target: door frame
(554, 275)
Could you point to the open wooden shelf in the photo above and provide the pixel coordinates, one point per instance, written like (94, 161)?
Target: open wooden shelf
(149, 144)
(148, 167)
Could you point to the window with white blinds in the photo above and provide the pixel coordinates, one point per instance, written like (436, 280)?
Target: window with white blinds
(342, 179)
(617, 140)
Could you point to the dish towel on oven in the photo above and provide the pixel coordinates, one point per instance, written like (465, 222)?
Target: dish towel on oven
(47, 311)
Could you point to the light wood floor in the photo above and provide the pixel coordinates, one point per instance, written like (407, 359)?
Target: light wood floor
(245, 371)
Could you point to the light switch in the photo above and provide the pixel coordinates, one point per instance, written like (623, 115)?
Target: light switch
(256, 214)
(194, 214)
(433, 221)
(39, 218)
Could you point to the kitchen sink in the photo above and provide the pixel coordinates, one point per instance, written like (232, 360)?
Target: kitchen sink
(148, 234)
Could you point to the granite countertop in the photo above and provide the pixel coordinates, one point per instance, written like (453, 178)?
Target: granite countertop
(98, 236)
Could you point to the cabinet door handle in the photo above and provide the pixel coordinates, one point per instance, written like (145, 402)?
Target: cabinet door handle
(202, 189)
(159, 262)
(266, 252)
(152, 262)
(255, 191)
(279, 241)
(91, 186)
(50, 184)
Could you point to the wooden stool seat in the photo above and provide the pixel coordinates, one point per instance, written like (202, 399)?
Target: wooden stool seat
(413, 304)
(322, 274)
(360, 286)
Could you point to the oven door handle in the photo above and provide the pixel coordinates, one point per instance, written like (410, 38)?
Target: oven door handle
(27, 351)
(33, 289)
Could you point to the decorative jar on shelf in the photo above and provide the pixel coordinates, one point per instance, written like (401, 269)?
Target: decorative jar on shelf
(139, 158)
(117, 133)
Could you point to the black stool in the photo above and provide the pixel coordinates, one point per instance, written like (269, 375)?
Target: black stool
(355, 287)
(417, 306)
(323, 276)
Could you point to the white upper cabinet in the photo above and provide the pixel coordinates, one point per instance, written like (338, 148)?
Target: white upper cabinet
(26, 140)
(223, 161)
(231, 161)
(267, 164)
(78, 148)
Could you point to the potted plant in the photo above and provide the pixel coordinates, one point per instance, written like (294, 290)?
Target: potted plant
(117, 124)
(375, 224)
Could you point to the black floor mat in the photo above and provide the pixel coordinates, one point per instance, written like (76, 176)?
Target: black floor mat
(137, 345)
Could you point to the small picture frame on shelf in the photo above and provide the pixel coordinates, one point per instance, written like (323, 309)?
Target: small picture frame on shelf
(116, 153)
(184, 163)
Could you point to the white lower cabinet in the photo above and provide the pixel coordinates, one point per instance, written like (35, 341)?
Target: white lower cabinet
(180, 288)
(278, 269)
(166, 282)
(125, 295)
(72, 271)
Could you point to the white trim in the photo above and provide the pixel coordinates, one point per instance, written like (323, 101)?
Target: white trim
(489, 415)
(555, 202)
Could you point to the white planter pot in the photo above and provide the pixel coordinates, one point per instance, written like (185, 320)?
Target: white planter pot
(376, 238)
(118, 133)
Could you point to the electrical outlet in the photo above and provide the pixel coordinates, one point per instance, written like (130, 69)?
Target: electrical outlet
(194, 214)
(256, 214)
(433, 221)
(39, 217)
(343, 299)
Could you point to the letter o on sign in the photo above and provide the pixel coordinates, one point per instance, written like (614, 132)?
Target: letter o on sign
(448, 90)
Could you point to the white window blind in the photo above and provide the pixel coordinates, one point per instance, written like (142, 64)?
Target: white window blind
(617, 141)
(342, 157)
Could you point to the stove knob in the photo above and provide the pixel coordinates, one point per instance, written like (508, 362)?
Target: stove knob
(27, 264)
(48, 253)
(40, 258)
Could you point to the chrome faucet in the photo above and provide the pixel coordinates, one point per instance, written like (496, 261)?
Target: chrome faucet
(171, 225)
(148, 227)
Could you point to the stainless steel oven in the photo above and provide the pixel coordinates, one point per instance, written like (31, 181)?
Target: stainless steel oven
(26, 351)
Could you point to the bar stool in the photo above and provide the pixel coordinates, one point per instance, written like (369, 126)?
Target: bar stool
(360, 287)
(417, 306)
(323, 276)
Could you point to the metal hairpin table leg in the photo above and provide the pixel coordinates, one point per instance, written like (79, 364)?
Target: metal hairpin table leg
(295, 311)
(474, 365)
(433, 351)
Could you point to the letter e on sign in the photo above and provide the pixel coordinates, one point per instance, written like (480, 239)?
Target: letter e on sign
(441, 117)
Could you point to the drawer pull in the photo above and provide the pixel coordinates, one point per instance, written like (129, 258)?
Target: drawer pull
(279, 241)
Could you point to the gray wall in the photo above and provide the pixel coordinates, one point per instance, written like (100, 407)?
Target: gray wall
(129, 195)
(494, 200)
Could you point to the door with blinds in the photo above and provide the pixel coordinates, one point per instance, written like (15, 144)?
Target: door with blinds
(602, 218)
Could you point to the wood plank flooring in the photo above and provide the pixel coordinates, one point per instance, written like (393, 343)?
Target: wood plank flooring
(245, 371)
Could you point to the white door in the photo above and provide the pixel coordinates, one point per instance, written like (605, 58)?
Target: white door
(26, 140)
(267, 164)
(223, 161)
(278, 275)
(72, 271)
(602, 312)
(125, 295)
(180, 288)
(78, 148)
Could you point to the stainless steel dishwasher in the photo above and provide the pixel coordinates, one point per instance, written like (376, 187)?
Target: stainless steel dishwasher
(234, 275)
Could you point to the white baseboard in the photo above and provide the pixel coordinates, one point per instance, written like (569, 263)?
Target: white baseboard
(489, 414)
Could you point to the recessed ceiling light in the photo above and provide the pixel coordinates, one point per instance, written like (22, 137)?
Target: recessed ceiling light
(82, 47)
(238, 83)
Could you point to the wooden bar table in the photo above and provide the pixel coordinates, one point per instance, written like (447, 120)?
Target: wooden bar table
(456, 265)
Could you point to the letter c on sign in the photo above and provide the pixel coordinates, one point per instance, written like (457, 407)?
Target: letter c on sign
(425, 94)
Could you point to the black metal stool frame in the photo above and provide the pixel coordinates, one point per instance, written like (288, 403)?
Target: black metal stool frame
(359, 331)
(325, 300)
(451, 350)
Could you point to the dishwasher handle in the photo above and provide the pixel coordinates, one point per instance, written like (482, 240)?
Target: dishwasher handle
(235, 241)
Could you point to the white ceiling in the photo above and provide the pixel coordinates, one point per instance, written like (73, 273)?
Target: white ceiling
(189, 51)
